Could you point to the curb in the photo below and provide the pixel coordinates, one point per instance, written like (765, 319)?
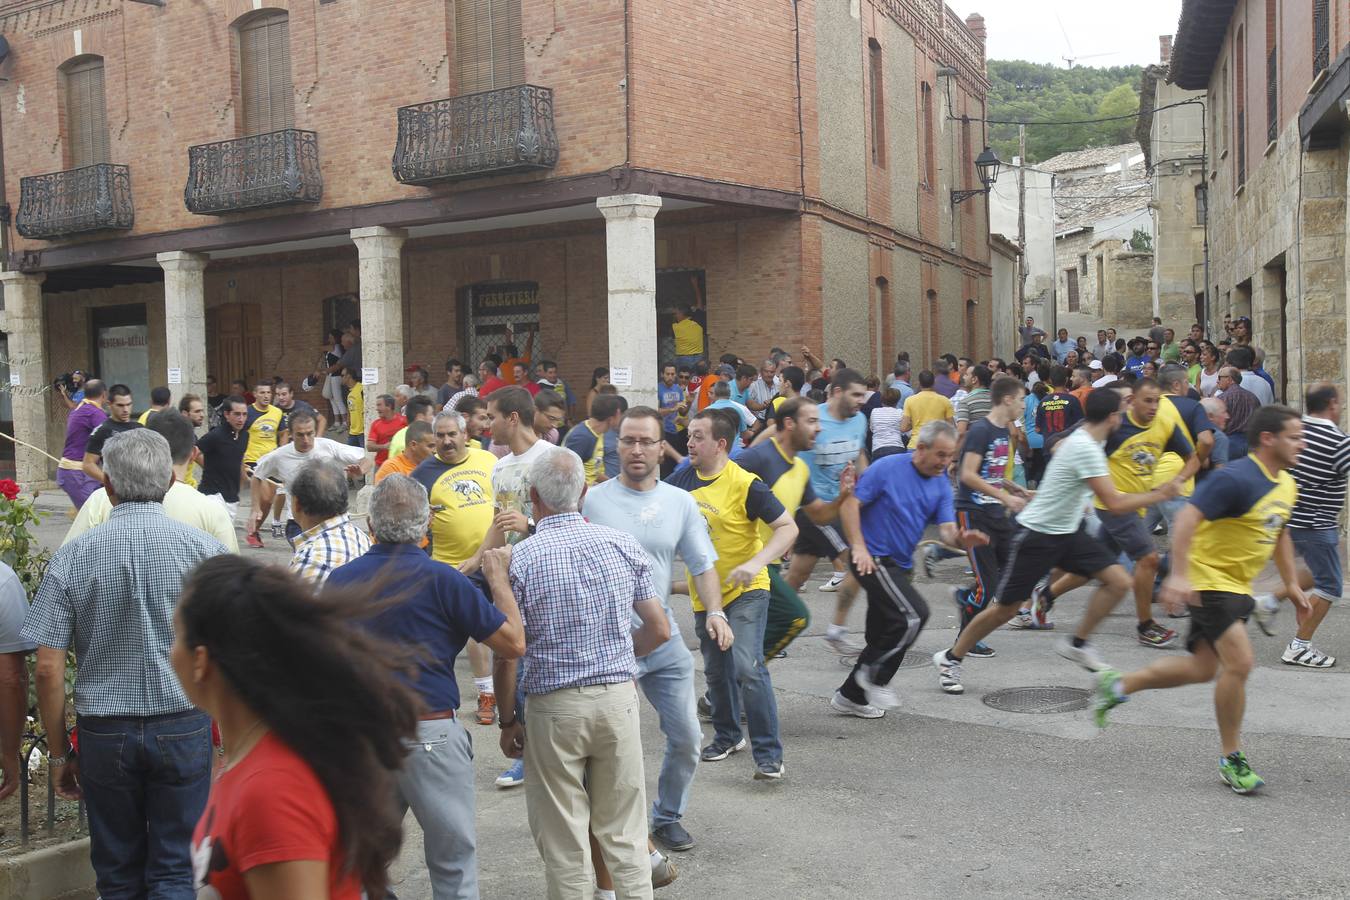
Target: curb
(51, 872)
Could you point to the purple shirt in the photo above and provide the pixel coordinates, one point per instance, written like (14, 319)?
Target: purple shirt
(81, 423)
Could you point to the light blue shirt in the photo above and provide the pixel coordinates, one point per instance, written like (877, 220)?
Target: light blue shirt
(837, 445)
(906, 391)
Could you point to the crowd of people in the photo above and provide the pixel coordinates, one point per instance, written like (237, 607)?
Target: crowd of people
(262, 731)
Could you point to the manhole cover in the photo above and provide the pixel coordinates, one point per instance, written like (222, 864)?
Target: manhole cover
(1038, 699)
(914, 656)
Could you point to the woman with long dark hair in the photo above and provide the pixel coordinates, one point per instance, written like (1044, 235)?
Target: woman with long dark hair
(312, 719)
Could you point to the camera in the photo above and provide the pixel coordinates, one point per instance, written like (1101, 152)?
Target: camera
(65, 383)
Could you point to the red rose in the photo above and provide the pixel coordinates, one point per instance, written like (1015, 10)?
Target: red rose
(8, 488)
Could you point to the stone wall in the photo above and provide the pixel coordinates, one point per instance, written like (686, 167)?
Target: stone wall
(1128, 294)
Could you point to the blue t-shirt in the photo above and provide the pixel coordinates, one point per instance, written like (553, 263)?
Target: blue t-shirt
(441, 609)
(837, 445)
(898, 504)
(612, 453)
(667, 397)
(906, 391)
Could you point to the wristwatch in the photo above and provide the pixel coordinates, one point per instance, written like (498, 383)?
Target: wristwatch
(60, 760)
(718, 614)
(503, 724)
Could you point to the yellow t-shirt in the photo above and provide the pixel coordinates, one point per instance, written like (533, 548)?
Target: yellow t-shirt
(1133, 450)
(924, 407)
(789, 479)
(356, 410)
(1170, 463)
(688, 338)
(732, 502)
(777, 402)
(464, 492)
(263, 429)
(1245, 509)
(584, 442)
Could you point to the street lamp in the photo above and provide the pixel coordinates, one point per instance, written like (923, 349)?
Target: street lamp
(987, 165)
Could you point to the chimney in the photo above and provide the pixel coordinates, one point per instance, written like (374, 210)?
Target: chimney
(975, 22)
(1164, 48)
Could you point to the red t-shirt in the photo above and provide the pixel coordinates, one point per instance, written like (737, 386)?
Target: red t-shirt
(490, 385)
(269, 808)
(382, 432)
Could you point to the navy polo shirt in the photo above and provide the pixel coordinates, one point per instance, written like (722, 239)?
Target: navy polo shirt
(439, 611)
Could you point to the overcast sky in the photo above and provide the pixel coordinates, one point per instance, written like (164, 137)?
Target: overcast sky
(1027, 29)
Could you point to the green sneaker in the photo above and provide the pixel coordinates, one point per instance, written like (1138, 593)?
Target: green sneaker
(1238, 775)
(1105, 699)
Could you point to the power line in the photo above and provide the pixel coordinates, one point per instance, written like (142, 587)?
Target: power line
(1133, 115)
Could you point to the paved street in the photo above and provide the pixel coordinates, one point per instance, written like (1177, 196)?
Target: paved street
(950, 797)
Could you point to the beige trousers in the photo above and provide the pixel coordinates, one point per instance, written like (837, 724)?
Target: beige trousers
(583, 756)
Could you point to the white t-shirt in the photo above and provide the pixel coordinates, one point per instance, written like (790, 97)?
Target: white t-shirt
(1063, 494)
(284, 463)
(1104, 380)
(885, 421)
(511, 484)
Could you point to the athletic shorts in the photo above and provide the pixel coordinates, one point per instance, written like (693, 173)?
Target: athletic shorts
(1032, 554)
(1321, 550)
(822, 541)
(1128, 533)
(1217, 612)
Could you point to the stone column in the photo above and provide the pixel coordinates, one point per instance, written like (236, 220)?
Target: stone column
(185, 320)
(630, 253)
(380, 251)
(28, 360)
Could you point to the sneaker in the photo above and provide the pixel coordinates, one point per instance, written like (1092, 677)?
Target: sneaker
(1104, 698)
(487, 709)
(1264, 613)
(1040, 610)
(1085, 656)
(981, 650)
(704, 709)
(278, 530)
(1238, 775)
(253, 540)
(928, 559)
(1156, 635)
(770, 771)
(1184, 614)
(961, 597)
(832, 585)
(512, 777)
(1021, 620)
(663, 872)
(843, 646)
(715, 752)
(1308, 656)
(882, 696)
(949, 673)
(672, 836)
(840, 703)
(781, 654)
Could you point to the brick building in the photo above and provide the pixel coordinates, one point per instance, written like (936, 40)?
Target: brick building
(1276, 77)
(207, 187)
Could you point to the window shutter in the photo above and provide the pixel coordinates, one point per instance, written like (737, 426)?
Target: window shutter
(265, 74)
(86, 114)
(489, 48)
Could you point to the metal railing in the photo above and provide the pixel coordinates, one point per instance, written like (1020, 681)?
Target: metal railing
(76, 201)
(32, 741)
(254, 172)
(1321, 35)
(487, 133)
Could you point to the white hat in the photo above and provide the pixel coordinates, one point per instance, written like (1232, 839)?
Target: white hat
(1095, 364)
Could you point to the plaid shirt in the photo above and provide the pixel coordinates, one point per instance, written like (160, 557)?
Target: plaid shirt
(111, 595)
(576, 584)
(333, 542)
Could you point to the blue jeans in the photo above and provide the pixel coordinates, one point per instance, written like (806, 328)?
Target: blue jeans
(666, 676)
(1321, 551)
(437, 782)
(145, 783)
(738, 676)
(689, 361)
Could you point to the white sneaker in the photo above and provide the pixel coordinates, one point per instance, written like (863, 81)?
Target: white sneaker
(832, 585)
(882, 696)
(1309, 656)
(843, 646)
(949, 673)
(1264, 613)
(1085, 656)
(840, 703)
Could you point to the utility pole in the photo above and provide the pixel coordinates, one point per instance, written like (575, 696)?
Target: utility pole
(1021, 225)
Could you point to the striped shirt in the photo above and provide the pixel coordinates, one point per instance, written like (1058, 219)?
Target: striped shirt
(974, 406)
(333, 542)
(1320, 474)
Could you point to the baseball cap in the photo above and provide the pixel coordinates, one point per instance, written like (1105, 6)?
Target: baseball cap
(1095, 364)
(726, 371)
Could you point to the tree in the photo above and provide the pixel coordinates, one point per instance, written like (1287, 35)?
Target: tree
(1120, 101)
(1022, 91)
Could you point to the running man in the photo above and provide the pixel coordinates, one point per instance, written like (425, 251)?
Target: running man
(1133, 451)
(1222, 540)
(1050, 534)
(892, 504)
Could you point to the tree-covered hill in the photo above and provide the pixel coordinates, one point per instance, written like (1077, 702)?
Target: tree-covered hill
(1034, 92)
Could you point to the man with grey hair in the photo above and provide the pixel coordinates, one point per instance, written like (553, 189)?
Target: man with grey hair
(762, 390)
(578, 585)
(1217, 412)
(431, 609)
(110, 596)
(900, 378)
(328, 538)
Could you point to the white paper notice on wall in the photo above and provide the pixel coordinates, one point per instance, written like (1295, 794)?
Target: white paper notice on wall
(14, 378)
(621, 376)
(370, 376)
(175, 376)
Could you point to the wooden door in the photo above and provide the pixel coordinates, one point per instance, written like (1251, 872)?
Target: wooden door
(234, 343)
(1072, 275)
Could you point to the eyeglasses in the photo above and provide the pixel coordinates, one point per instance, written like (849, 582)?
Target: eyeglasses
(630, 443)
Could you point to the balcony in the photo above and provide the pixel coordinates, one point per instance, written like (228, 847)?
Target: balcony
(488, 133)
(77, 201)
(254, 172)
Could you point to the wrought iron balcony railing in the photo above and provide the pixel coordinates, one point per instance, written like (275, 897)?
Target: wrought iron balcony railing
(90, 198)
(254, 172)
(487, 133)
